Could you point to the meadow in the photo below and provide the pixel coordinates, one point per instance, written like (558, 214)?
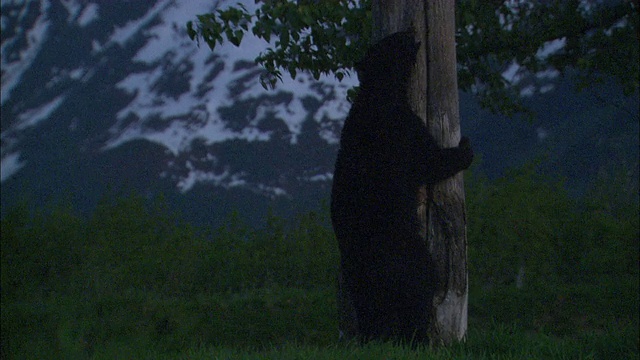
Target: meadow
(551, 277)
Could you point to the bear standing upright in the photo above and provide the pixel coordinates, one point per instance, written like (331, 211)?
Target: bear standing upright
(385, 156)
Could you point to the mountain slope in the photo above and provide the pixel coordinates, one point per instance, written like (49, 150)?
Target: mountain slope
(87, 89)
(100, 99)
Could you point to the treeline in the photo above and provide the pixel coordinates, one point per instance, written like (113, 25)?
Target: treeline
(134, 276)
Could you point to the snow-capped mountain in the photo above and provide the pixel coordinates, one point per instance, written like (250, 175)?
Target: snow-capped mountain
(94, 78)
(105, 98)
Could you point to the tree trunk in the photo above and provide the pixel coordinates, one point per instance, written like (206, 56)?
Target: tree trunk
(445, 211)
(433, 97)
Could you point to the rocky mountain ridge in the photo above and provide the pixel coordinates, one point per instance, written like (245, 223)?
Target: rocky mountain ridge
(111, 98)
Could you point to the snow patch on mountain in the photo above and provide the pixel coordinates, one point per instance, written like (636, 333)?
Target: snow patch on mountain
(83, 16)
(15, 62)
(32, 117)
(124, 34)
(10, 165)
(87, 16)
(193, 112)
(177, 93)
(195, 63)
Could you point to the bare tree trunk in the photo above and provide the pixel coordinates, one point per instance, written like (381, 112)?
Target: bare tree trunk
(445, 213)
(433, 97)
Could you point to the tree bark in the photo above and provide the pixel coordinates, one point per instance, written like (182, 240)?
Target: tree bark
(434, 97)
(446, 224)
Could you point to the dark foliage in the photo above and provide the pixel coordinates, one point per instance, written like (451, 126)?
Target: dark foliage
(550, 277)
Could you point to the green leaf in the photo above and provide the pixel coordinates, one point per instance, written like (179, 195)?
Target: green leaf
(190, 31)
(267, 35)
(284, 37)
(331, 36)
(239, 34)
(230, 36)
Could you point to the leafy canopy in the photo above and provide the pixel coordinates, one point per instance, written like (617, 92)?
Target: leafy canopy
(539, 38)
(323, 37)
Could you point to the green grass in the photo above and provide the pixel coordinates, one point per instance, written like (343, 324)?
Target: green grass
(289, 324)
(133, 282)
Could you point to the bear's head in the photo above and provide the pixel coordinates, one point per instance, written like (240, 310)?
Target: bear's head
(387, 65)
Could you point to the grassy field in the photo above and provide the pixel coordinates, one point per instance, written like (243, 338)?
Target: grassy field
(550, 278)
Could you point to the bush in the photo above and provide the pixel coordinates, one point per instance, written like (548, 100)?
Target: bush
(526, 230)
(132, 276)
(133, 273)
(549, 262)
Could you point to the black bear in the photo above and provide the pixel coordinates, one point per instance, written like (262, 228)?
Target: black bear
(385, 156)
